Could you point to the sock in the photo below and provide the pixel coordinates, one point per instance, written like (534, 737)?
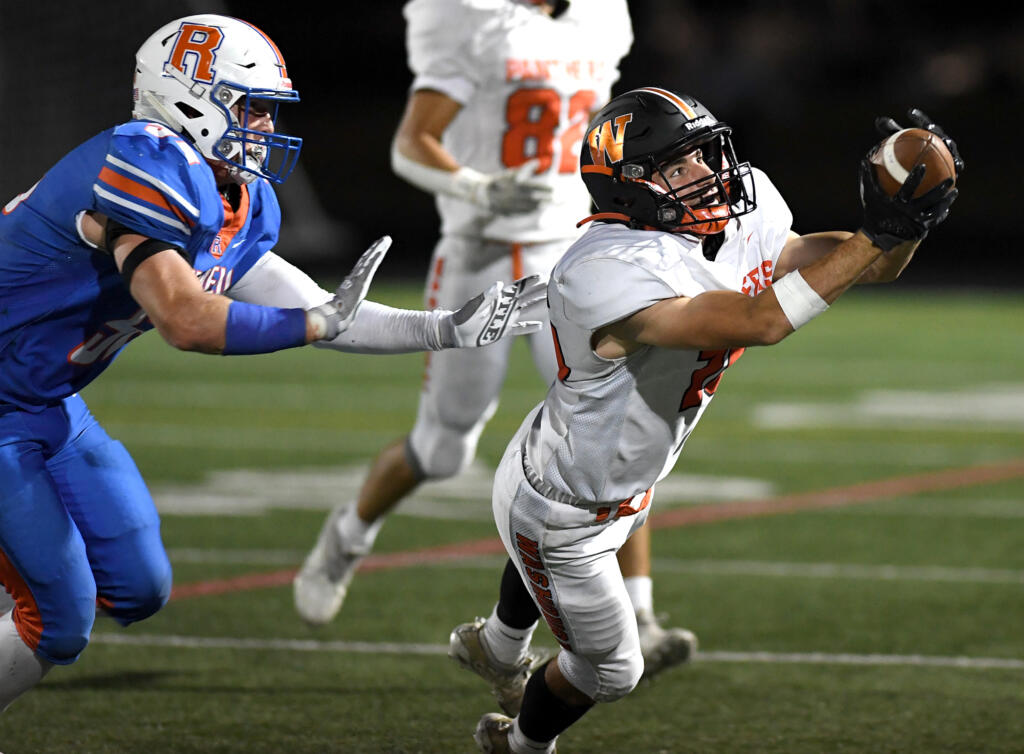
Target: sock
(521, 744)
(516, 607)
(357, 535)
(543, 716)
(20, 668)
(641, 593)
(506, 644)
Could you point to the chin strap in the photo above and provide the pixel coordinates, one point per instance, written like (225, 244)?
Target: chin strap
(615, 217)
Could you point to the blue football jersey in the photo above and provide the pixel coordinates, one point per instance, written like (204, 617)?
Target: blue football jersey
(65, 312)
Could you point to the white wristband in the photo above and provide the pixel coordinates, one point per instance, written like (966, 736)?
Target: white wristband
(800, 303)
(465, 183)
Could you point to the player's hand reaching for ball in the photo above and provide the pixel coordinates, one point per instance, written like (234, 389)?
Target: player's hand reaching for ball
(907, 181)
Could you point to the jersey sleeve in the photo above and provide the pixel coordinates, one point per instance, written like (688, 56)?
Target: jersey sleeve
(440, 48)
(597, 292)
(609, 22)
(157, 185)
(777, 217)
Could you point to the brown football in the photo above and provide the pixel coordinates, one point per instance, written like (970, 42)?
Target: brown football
(895, 157)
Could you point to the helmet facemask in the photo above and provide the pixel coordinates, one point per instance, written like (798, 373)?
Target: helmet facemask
(250, 153)
(704, 206)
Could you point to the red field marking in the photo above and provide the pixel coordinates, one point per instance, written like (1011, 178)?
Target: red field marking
(864, 492)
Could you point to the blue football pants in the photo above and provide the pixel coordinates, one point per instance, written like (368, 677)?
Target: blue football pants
(78, 528)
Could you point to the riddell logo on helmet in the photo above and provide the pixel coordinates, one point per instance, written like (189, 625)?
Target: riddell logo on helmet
(196, 47)
(703, 120)
(604, 140)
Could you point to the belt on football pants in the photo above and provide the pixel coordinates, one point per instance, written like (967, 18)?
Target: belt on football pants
(602, 510)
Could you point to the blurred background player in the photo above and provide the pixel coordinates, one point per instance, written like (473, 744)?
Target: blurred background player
(501, 96)
(146, 225)
(690, 259)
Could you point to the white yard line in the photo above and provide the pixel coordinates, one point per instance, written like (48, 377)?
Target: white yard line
(363, 647)
(666, 565)
(873, 572)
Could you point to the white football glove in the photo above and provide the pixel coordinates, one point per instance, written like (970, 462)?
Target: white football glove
(495, 314)
(512, 191)
(331, 319)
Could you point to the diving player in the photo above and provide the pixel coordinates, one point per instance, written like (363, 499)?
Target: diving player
(689, 259)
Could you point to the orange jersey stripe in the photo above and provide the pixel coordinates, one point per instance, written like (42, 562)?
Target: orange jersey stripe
(141, 192)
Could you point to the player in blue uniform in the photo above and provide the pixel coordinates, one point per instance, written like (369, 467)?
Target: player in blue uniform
(167, 221)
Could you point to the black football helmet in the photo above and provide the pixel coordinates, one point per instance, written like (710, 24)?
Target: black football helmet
(634, 136)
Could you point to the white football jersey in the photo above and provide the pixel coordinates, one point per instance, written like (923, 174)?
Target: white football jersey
(528, 84)
(610, 428)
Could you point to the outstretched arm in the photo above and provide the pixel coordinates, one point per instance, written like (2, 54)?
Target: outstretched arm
(191, 319)
(727, 319)
(380, 329)
(800, 251)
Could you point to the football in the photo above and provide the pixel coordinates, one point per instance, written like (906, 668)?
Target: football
(895, 157)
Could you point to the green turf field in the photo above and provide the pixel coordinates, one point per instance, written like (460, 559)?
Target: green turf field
(891, 623)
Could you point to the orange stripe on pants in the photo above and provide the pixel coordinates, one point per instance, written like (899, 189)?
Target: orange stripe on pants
(27, 619)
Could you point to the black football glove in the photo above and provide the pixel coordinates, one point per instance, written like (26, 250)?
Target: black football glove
(891, 220)
(887, 127)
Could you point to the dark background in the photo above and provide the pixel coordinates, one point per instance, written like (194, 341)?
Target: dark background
(800, 82)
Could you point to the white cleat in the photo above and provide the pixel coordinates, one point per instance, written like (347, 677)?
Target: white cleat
(663, 648)
(508, 682)
(492, 733)
(321, 584)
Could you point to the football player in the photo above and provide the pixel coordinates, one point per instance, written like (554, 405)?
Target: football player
(501, 96)
(166, 221)
(690, 259)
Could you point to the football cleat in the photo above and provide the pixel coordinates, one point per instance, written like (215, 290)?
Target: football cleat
(663, 648)
(492, 732)
(320, 585)
(508, 682)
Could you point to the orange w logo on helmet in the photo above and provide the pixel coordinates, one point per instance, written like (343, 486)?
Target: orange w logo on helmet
(603, 141)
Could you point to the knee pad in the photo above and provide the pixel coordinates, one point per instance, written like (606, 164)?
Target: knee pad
(440, 451)
(605, 680)
(144, 592)
(65, 635)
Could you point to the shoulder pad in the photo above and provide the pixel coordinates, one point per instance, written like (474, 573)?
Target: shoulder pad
(155, 183)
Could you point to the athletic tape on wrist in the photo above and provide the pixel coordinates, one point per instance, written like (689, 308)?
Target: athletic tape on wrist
(800, 303)
(262, 329)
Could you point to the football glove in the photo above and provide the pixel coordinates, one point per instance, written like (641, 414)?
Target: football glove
(511, 192)
(887, 127)
(495, 314)
(891, 220)
(334, 317)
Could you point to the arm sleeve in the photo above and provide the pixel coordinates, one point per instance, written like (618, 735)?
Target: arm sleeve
(378, 329)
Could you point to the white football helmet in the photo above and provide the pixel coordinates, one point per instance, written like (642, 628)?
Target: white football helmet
(202, 76)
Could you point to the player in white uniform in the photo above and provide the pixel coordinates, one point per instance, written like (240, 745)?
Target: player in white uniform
(502, 94)
(690, 260)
